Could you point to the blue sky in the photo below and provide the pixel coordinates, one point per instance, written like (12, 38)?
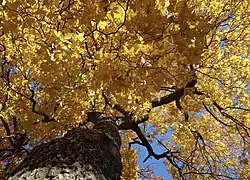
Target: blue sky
(158, 165)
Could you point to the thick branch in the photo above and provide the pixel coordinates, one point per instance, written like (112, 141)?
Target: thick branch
(168, 98)
(46, 117)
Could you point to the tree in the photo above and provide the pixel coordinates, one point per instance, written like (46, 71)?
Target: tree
(180, 66)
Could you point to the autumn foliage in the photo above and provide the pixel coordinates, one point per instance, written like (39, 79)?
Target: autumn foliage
(180, 66)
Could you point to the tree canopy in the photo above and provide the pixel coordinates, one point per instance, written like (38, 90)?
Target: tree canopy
(180, 66)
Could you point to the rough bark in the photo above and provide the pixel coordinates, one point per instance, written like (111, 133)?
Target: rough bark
(80, 154)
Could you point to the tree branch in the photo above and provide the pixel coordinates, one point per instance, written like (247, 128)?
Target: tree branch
(144, 142)
(217, 119)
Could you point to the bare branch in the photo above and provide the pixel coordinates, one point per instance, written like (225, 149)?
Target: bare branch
(144, 142)
(214, 115)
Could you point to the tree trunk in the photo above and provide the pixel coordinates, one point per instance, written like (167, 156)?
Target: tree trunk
(80, 154)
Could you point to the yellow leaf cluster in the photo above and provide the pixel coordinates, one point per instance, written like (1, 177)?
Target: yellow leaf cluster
(59, 57)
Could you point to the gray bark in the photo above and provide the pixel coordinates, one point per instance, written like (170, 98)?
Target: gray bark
(80, 154)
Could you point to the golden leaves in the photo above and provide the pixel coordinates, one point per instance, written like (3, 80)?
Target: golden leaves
(129, 157)
(129, 50)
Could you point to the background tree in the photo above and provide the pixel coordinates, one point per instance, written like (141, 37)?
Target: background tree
(181, 66)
